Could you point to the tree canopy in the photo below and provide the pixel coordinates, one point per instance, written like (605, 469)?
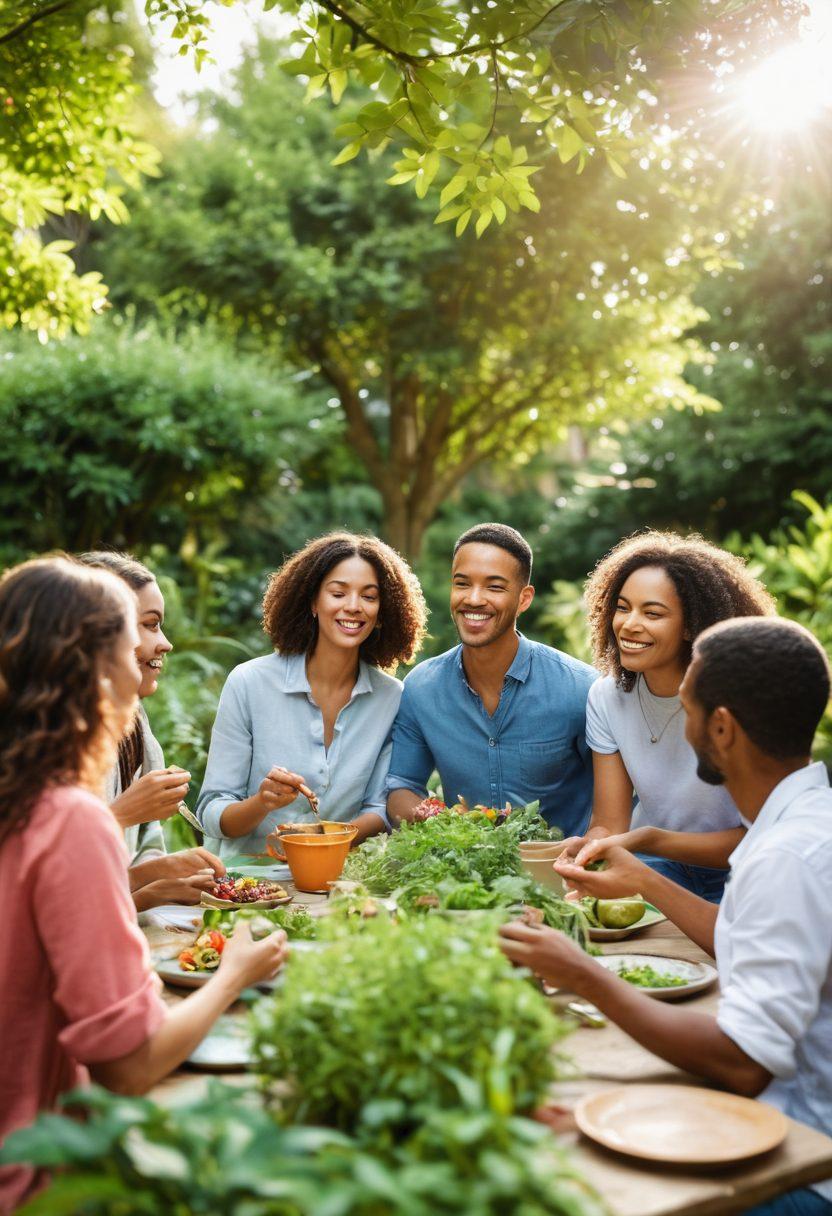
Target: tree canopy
(469, 95)
(442, 353)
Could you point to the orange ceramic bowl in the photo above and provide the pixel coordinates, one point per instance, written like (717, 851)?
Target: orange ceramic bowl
(317, 861)
(328, 827)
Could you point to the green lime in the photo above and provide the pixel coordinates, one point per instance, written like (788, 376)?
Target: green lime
(620, 913)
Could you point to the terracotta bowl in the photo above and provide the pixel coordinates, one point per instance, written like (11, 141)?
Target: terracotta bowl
(317, 827)
(317, 861)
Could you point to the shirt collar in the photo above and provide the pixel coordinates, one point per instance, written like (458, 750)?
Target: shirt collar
(812, 776)
(520, 665)
(295, 678)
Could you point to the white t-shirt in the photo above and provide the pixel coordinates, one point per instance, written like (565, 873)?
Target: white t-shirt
(669, 793)
(773, 943)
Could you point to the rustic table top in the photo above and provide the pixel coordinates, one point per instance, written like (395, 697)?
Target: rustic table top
(607, 1058)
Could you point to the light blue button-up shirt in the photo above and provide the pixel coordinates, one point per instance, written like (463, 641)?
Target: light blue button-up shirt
(266, 716)
(773, 942)
(532, 747)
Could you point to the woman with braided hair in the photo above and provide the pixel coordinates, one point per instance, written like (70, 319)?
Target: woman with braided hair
(647, 601)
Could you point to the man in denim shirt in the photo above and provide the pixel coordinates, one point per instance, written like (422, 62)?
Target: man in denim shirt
(500, 717)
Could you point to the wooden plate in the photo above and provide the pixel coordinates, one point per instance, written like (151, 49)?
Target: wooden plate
(698, 976)
(680, 1124)
(652, 916)
(211, 901)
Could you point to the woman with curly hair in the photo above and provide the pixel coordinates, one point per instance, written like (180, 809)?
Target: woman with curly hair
(79, 994)
(315, 717)
(647, 601)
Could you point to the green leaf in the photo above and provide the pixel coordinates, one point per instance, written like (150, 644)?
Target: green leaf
(347, 153)
(569, 143)
(463, 221)
(616, 166)
(485, 218)
(450, 213)
(337, 83)
(454, 187)
(399, 179)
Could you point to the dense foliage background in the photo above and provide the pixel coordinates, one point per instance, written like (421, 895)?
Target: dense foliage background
(293, 345)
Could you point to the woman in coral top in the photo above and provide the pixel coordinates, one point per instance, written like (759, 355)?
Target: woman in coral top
(78, 997)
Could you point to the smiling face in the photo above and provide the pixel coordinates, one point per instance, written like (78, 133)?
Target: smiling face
(121, 670)
(347, 604)
(488, 593)
(153, 645)
(648, 623)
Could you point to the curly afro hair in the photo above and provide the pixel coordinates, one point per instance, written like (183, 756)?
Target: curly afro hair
(287, 605)
(712, 585)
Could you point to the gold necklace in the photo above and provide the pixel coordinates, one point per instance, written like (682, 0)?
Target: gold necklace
(654, 738)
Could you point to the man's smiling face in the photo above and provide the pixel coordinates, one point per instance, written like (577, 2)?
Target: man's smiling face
(488, 593)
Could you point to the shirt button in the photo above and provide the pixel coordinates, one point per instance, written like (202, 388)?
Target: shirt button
(492, 742)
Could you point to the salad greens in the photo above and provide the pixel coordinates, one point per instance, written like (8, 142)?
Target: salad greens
(296, 921)
(646, 976)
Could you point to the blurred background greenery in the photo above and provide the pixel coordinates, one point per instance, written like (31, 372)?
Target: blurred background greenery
(294, 346)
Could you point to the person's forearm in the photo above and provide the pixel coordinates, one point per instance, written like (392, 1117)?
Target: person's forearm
(145, 872)
(687, 1039)
(694, 916)
(611, 819)
(693, 848)
(242, 818)
(401, 804)
(185, 1026)
(369, 823)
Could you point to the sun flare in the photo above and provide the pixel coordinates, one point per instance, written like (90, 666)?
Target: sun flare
(791, 89)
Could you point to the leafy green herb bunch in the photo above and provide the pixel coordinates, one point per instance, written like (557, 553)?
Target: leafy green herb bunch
(377, 1032)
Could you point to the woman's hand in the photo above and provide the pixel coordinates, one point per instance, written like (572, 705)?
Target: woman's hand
(573, 844)
(279, 787)
(245, 961)
(189, 861)
(548, 953)
(626, 875)
(187, 890)
(595, 848)
(156, 795)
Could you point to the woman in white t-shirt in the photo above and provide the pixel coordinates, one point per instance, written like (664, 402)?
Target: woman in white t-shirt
(647, 600)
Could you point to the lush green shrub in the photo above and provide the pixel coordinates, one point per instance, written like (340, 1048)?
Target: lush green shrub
(379, 1031)
(221, 1155)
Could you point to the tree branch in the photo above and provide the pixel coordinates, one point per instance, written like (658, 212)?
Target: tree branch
(33, 18)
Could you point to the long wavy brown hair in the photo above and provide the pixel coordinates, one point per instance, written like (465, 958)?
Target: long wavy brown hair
(58, 621)
(712, 585)
(287, 606)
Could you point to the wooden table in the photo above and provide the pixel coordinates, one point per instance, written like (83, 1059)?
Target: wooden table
(606, 1058)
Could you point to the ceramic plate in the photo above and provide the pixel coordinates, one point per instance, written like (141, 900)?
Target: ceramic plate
(172, 973)
(697, 976)
(226, 1048)
(652, 916)
(680, 1124)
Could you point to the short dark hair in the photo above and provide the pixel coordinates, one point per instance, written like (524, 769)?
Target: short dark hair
(503, 537)
(713, 585)
(773, 675)
(287, 605)
(128, 568)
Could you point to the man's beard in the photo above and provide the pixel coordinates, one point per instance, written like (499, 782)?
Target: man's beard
(706, 772)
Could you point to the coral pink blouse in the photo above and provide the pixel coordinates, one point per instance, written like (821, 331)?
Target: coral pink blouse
(76, 985)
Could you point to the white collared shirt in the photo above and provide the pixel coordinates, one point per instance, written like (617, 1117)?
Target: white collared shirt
(774, 948)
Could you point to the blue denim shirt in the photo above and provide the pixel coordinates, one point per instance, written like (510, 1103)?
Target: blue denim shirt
(534, 746)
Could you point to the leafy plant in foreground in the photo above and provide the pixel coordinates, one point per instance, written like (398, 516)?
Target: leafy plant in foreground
(377, 1032)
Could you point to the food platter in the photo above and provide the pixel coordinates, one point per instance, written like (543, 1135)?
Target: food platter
(680, 1124)
(696, 977)
(652, 916)
(244, 888)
